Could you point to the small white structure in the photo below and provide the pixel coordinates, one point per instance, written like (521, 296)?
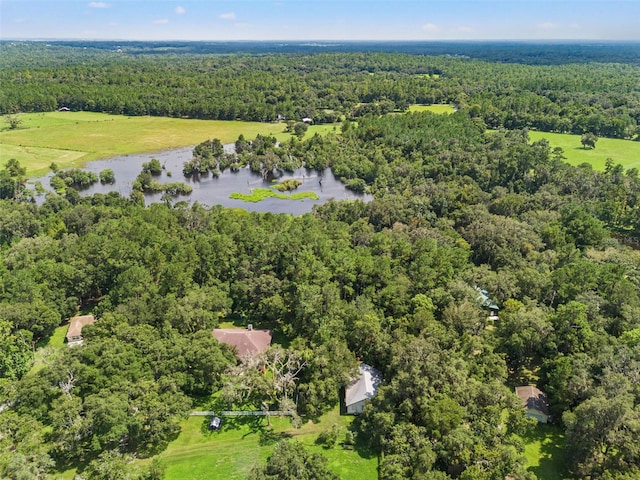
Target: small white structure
(307, 120)
(362, 389)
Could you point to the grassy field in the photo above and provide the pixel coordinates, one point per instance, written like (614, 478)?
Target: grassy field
(544, 450)
(198, 454)
(71, 139)
(624, 152)
(432, 108)
(48, 348)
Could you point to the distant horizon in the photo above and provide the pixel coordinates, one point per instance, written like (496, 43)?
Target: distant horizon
(320, 20)
(330, 41)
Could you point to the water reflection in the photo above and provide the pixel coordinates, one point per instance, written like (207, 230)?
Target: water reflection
(209, 190)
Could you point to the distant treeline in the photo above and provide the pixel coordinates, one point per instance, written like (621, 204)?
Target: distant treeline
(530, 53)
(601, 98)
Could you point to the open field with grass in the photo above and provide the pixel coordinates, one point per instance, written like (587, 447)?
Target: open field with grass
(625, 152)
(432, 108)
(242, 442)
(544, 451)
(71, 139)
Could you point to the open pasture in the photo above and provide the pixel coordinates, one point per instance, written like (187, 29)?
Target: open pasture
(70, 139)
(624, 152)
(438, 108)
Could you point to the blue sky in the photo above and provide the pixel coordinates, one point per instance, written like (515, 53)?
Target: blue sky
(320, 19)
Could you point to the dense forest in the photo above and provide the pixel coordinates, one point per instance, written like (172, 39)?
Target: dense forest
(601, 98)
(392, 283)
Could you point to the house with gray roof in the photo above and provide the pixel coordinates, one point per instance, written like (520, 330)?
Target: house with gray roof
(363, 388)
(535, 402)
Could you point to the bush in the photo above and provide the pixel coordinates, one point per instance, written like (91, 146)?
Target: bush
(328, 438)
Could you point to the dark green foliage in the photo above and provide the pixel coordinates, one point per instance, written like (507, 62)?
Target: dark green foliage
(288, 185)
(292, 461)
(588, 140)
(12, 181)
(560, 97)
(107, 176)
(153, 167)
(73, 177)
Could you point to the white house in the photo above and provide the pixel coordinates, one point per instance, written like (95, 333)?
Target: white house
(362, 389)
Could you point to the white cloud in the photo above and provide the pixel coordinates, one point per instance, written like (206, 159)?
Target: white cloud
(431, 28)
(547, 26)
(99, 5)
(160, 21)
(180, 10)
(228, 16)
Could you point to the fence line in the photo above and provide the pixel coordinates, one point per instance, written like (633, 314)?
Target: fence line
(229, 413)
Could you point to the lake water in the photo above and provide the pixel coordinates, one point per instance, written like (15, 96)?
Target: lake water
(209, 190)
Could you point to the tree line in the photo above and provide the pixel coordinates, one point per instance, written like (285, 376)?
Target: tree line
(597, 97)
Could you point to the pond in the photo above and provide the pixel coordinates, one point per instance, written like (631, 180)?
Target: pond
(209, 190)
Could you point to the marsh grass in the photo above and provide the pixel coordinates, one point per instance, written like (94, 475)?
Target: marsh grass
(259, 194)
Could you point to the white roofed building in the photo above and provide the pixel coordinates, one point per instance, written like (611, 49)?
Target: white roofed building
(362, 389)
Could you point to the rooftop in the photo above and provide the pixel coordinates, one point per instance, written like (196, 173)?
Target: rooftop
(77, 323)
(246, 342)
(533, 398)
(364, 387)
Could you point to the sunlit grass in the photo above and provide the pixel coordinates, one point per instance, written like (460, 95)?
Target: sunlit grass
(624, 152)
(544, 451)
(437, 108)
(71, 139)
(48, 348)
(230, 454)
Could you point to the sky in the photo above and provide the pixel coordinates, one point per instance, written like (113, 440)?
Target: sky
(320, 19)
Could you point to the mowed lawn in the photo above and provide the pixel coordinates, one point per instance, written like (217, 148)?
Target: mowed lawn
(544, 451)
(71, 139)
(198, 454)
(624, 152)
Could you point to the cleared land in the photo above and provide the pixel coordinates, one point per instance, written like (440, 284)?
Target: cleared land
(544, 451)
(71, 139)
(242, 443)
(624, 152)
(438, 108)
